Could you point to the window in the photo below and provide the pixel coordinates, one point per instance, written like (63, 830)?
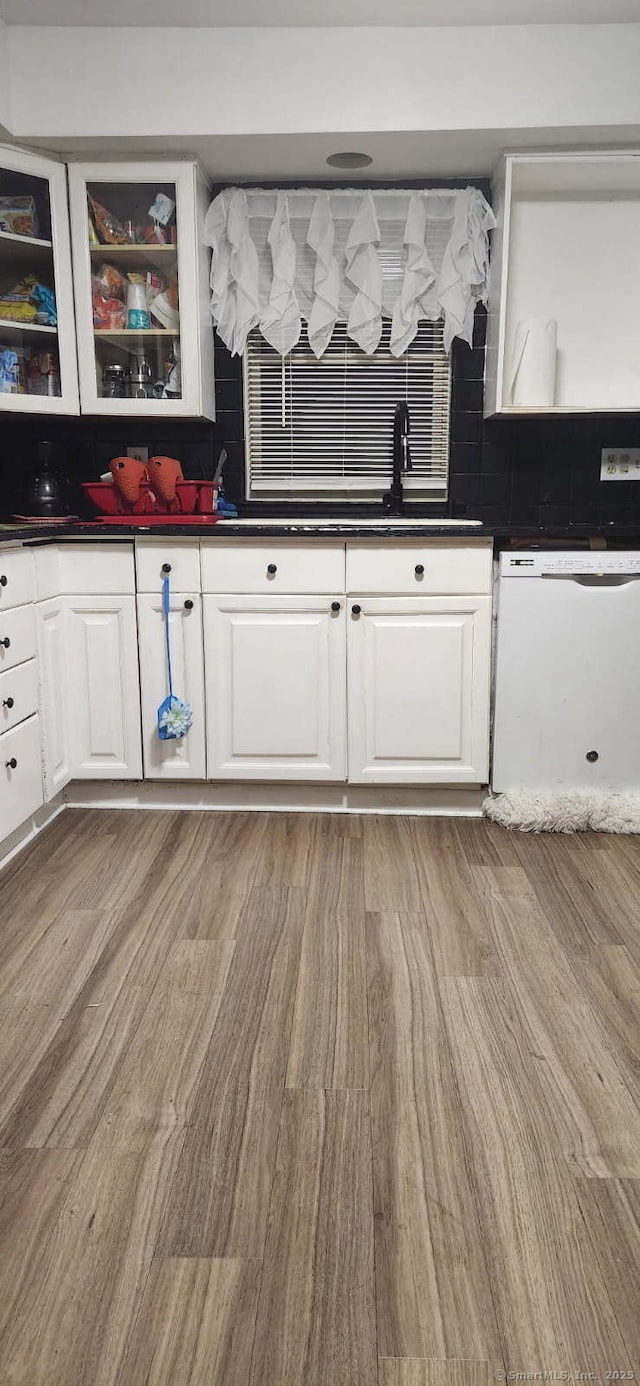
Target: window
(325, 427)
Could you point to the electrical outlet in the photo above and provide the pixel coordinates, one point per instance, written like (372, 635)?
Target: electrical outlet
(142, 454)
(620, 464)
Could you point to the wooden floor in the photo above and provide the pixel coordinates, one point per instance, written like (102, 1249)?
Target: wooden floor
(295, 1100)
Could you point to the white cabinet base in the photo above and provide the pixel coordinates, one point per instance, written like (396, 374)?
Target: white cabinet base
(237, 796)
(275, 688)
(419, 690)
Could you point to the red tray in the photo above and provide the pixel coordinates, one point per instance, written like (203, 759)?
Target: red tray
(145, 521)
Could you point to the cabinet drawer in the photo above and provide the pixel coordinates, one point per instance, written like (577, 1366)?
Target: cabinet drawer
(20, 784)
(418, 569)
(182, 556)
(85, 570)
(18, 694)
(17, 636)
(272, 568)
(16, 577)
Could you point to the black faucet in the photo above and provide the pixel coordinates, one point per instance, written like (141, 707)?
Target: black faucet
(393, 498)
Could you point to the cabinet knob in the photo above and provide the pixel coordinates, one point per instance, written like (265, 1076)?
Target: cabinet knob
(355, 610)
(188, 606)
(335, 606)
(166, 567)
(6, 642)
(272, 568)
(11, 764)
(419, 569)
(3, 579)
(7, 702)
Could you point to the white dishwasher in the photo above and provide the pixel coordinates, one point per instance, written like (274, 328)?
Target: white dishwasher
(567, 694)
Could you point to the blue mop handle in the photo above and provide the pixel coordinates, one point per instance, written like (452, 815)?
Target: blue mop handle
(166, 608)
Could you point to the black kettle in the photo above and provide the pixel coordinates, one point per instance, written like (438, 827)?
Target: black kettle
(47, 494)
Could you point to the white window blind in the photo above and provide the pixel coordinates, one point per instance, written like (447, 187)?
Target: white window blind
(326, 426)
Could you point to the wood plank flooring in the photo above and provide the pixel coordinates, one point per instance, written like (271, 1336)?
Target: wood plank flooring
(304, 1100)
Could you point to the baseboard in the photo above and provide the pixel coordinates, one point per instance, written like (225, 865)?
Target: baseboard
(15, 842)
(435, 800)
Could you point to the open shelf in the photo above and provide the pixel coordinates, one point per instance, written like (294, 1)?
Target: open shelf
(26, 329)
(21, 254)
(133, 247)
(128, 332)
(30, 241)
(162, 257)
(565, 251)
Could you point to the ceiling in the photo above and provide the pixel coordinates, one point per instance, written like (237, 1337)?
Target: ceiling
(302, 158)
(305, 13)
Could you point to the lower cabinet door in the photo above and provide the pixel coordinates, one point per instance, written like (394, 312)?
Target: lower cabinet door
(103, 688)
(20, 775)
(54, 672)
(172, 760)
(275, 674)
(418, 675)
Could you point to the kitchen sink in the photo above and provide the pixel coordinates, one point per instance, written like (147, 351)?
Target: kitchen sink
(378, 522)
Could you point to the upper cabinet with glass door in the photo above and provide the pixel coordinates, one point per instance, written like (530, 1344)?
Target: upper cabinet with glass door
(141, 271)
(38, 365)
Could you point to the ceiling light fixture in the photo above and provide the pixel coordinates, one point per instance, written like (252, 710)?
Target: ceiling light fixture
(349, 160)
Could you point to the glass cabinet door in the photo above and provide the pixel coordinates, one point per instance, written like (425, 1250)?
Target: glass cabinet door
(38, 370)
(137, 281)
(133, 243)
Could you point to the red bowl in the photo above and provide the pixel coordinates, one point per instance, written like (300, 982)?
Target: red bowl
(104, 496)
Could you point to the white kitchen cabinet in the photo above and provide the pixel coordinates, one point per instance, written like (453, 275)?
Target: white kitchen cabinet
(275, 675)
(18, 694)
(172, 347)
(103, 688)
(566, 248)
(16, 578)
(17, 636)
(36, 242)
(418, 680)
(183, 759)
(55, 674)
(20, 775)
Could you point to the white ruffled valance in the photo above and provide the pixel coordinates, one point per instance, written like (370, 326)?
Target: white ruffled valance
(347, 255)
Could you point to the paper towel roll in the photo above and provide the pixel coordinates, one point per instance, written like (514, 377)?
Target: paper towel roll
(532, 378)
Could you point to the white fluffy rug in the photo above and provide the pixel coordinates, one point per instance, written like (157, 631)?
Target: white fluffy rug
(569, 811)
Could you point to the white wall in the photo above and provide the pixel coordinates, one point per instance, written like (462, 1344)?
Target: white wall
(231, 81)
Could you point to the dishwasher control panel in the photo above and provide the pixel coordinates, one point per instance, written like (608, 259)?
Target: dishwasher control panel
(570, 563)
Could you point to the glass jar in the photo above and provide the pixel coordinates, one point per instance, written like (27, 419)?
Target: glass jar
(115, 380)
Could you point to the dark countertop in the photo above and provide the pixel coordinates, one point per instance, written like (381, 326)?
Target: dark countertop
(274, 529)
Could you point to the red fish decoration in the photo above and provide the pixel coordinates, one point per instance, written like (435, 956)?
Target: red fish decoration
(129, 476)
(164, 473)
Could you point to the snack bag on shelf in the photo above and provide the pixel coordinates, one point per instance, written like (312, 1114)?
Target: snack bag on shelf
(45, 301)
(18, 216)
(111, 281)
(107, 312)
(10, 383)
(43, 374)
(107, 227)
(29, 301)
(16, 306)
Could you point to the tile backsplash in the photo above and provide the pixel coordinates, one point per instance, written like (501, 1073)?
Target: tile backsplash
(516, 471)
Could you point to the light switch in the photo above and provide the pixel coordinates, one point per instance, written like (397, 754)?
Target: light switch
(620, 464)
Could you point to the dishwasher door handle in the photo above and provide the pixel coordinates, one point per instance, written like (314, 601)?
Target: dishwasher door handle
(593, 579)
